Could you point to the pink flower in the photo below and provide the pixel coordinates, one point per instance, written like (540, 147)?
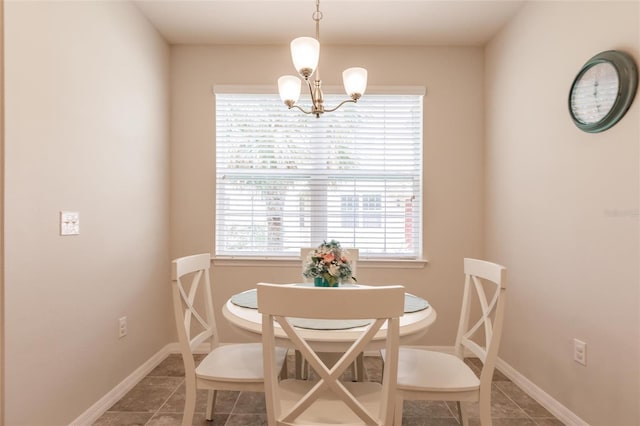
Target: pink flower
(328, 258)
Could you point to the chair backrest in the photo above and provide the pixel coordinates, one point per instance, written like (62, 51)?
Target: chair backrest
(278, 303)
(193, 305)
(353, 254)
(485, 282)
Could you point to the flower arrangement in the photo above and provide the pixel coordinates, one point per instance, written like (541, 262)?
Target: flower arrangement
(330, 262)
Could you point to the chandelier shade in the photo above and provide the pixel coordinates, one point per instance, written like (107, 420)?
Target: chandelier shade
(355, 81)
(305, 54)
(289, 88)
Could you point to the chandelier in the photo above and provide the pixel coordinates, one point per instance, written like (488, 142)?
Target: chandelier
(305, 53)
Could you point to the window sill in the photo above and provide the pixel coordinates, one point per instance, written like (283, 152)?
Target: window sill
(279, 262)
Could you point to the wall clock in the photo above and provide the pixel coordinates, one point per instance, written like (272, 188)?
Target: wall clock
(603, 91)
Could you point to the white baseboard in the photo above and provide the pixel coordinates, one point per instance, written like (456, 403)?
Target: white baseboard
(561, 412)
(114, 395)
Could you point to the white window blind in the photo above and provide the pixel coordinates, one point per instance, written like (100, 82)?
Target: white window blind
(286, 180)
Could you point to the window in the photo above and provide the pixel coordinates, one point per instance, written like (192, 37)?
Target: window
(372, 210)
(286, 180)
(349, 210)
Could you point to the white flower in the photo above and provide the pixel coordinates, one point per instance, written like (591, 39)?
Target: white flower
(334, 270)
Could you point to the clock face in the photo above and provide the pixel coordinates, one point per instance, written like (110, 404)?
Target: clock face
(594, 93)
(603, 91)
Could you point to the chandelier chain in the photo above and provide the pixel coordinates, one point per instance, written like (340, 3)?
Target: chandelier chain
(317, 16)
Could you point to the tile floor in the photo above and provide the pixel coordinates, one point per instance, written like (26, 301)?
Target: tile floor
(159, 399)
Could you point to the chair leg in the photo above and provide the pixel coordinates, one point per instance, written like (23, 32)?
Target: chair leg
(301, 367)
(211, 403)
(397, 415)
(464, 420)
(189, 404)
(357, 368)
(284, 372)
(485, 409)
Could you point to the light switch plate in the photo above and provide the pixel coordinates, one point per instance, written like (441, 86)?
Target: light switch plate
(69, 223)
(579, 351)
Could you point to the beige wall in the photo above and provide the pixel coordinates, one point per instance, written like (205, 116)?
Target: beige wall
(87, 129)
(1, 212)
(453, 175)
(562, 210)
(87, 111)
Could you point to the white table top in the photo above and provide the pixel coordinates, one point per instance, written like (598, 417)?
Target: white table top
(248, 322)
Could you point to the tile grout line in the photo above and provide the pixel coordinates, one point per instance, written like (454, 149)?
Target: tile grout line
(516, 404)
(166, 400)
(455, 417)
(232, 409)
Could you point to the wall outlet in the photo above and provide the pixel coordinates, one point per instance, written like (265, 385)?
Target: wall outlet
(579, 351)
(122, 327)
(69, 223)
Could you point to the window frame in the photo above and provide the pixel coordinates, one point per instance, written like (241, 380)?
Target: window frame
(360, 203)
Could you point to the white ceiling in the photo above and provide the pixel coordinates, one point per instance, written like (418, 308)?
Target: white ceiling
(373, 22)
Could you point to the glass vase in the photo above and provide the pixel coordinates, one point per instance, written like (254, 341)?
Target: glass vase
(321, 282)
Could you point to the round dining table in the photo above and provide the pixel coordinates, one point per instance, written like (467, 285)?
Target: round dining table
(242, 314)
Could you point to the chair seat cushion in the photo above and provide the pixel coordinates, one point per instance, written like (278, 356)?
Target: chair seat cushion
(236, 362)
(329, 409)
(420, 369)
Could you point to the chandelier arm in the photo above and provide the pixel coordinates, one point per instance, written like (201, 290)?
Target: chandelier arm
(301, 109)
(340, 104)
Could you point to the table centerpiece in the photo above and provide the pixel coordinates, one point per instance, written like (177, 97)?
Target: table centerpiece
(328, 265)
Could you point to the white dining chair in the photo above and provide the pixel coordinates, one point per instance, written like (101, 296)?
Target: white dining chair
(431, 375)
(235, 367)
(327, 400)
(357, 368)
